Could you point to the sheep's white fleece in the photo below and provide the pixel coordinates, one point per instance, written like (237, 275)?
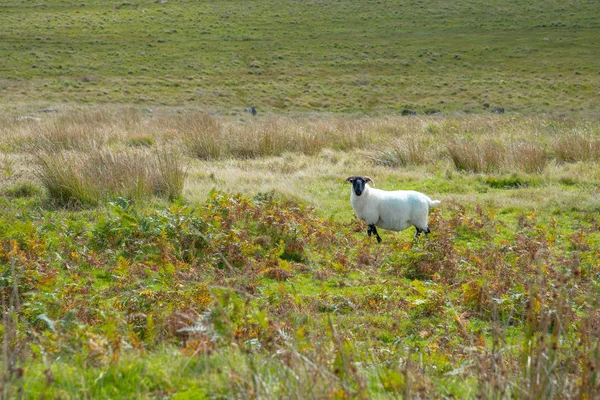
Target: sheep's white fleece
(393, 210)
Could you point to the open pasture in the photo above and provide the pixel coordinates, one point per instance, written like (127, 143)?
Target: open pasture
(157, 242)
(132, 270)
(303, 56)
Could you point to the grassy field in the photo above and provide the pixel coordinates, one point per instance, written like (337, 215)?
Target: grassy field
(280, 55)
(156, 242)
(132, 270)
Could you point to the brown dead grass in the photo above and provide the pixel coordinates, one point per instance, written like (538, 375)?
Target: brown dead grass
(274, 152)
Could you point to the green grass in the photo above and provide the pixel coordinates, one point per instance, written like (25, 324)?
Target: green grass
(275, 300)
(217, 255)
(357, 56)
(166, 284)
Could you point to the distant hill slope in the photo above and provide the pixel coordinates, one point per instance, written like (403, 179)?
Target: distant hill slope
(381, 56)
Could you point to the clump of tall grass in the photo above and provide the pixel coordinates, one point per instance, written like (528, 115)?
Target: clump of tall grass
(71, 134)
(410, 150)
(275, 137)
(169, 181)
(208, 138)
(576, 147)
(346, 135)
(7, 165)
(201, 134)
(90, 178)
(528, 157)
(73, 130)
(491, 156)
(481, 156)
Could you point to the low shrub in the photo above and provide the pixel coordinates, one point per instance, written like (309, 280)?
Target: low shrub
(140, 141)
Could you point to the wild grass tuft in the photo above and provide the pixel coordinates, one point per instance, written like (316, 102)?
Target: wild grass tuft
(528, 157)
(576, 147)
(171, 175)
(201, 134)
(88, 179)
(410, 150)
(62, 176)
(140, 141)
(7, 165)
(481, 156)
(274, 137)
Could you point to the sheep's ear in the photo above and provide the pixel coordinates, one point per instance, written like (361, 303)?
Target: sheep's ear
(350, 179)
(368, 179)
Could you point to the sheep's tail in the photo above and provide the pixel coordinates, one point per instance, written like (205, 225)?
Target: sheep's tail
(434, 203)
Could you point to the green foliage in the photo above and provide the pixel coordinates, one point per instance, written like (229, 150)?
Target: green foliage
(144, 236)
(140, 141)
(259, 296)
(23, 189)
(509, 182)
(137, 300)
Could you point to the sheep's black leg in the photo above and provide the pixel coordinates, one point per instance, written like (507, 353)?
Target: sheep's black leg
(371, 229)
(377, 235)
(417, 233)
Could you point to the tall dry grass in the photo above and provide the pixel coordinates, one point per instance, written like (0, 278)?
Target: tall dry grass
(73, 130)
(576, 147)
(470, 143)
(408, 150)
(77, 178)
(209, 138)
(200, 134)
(480, 156)
(528, 157)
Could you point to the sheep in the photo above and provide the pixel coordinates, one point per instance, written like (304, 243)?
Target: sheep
(393, 210)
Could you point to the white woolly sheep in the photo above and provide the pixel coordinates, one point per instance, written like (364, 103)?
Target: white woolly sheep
(392, 210)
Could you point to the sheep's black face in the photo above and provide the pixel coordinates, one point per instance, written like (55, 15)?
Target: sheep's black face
(358, 184)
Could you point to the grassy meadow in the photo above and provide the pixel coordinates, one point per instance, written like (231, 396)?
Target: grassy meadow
(282, 56)
(157, 242)
(192, 256)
